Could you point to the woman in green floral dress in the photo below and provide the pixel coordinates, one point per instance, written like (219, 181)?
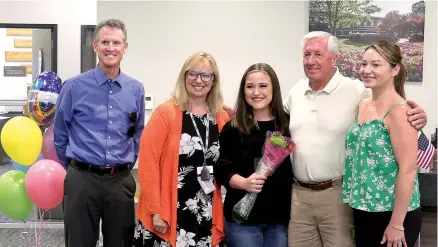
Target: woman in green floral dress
(381, 183)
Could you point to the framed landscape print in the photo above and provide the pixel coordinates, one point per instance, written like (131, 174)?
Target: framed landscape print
(359, 23)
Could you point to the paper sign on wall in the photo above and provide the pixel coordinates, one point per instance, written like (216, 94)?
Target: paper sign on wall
(28, 68)
(22, 43)
(18, 56)
(18, 32)
(14, 71)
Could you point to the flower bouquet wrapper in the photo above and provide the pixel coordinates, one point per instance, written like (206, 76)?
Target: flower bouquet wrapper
(275, 150)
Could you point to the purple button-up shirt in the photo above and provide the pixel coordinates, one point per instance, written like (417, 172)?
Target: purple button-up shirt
(92, 119)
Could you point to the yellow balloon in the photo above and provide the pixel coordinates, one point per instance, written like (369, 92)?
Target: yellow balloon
(22, 140)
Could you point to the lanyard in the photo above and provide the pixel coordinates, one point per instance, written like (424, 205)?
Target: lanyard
(207, 128)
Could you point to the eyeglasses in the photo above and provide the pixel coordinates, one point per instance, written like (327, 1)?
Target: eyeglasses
(133, 119)
(205, 77)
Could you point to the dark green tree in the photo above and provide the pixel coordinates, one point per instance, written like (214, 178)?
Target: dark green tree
(419, 8)
(342, 13)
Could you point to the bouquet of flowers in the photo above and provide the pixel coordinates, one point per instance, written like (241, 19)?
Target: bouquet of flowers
(275, 150)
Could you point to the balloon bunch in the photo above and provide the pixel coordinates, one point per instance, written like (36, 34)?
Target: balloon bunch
(38, 178)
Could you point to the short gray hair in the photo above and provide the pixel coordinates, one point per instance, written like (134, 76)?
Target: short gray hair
(114, 24)
(332, 41)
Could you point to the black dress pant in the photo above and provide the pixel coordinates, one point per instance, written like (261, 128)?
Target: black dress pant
(370, 226)
(89, 197)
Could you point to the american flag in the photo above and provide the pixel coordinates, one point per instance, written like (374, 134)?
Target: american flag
(426, 151)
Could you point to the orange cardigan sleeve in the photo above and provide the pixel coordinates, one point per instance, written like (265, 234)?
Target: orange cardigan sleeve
(151, 147)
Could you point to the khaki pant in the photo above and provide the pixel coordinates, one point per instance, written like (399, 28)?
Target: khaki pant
(318, 219)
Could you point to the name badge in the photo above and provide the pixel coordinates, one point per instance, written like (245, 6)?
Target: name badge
(205, 178)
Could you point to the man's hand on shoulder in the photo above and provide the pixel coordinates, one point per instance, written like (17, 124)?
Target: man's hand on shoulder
(230, 111)
(416, 116)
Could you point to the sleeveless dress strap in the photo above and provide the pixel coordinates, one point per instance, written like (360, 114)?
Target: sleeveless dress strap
(392, 106)
(357, 110)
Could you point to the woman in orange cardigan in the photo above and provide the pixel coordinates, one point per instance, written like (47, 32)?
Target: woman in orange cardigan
(180, 203)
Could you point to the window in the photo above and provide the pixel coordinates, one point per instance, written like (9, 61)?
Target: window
(88, 56)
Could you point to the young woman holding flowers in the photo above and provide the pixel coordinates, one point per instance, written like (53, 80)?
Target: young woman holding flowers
(259, 109)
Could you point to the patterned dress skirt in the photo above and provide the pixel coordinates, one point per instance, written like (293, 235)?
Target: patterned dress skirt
(194, 208)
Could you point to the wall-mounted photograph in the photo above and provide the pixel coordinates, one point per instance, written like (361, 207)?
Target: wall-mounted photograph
(359, 23)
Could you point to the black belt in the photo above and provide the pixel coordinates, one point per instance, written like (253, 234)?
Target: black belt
(100, 169)
(317, 185)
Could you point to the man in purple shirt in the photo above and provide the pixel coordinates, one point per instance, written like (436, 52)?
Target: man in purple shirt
(98, 124)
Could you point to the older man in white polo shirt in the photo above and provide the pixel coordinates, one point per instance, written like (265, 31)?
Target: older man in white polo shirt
(322, 108)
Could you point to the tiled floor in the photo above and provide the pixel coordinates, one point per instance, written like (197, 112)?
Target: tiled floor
(25, 237)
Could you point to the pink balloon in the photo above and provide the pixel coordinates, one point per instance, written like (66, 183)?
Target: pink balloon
(48, 149)
(45, 183)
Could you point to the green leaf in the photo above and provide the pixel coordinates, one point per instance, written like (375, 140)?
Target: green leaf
(278, 141)
(341, 13)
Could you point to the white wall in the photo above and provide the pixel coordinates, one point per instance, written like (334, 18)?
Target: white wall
(68, 14)
(162, 35)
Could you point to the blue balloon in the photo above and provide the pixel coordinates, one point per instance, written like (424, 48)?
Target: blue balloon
(47, 81)
(20, 167)
(24, 169)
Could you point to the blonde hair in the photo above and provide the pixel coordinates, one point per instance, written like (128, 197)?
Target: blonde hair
(214, 98)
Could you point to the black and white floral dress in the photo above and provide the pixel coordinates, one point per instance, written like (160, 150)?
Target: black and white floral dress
(194, 208)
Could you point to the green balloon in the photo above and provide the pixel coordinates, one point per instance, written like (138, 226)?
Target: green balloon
(14, 200)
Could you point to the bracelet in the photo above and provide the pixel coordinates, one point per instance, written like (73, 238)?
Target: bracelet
(400, 229)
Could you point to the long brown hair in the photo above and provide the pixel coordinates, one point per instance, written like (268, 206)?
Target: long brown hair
(244, 117)
(393, 55)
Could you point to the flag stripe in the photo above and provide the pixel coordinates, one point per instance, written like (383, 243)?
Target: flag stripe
(422, 156)
(425, 158)
(429, 156)
(426, 151)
